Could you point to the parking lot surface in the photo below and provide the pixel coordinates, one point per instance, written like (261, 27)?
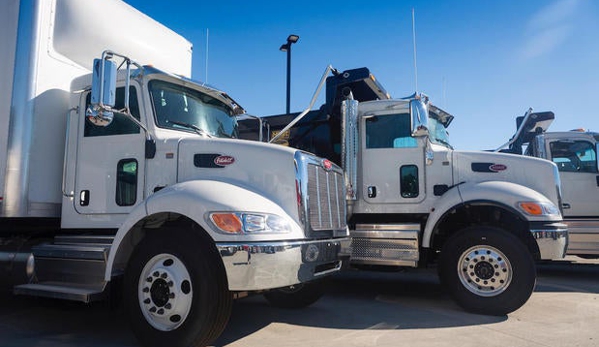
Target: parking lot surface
(361, 309)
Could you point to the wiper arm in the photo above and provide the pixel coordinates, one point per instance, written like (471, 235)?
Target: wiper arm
(193, 127)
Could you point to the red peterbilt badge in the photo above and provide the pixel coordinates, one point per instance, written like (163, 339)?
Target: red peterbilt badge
(327, 165)
(224, 160)
(497, 167)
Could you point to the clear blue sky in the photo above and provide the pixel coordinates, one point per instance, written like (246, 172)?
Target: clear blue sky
(485, 62)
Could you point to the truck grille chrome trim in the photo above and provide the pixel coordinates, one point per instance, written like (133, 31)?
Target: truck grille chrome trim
(324, 211)
(322, 195)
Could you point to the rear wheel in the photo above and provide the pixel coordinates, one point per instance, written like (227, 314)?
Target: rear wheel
(296, 296)
(487, 270)
(176, 291)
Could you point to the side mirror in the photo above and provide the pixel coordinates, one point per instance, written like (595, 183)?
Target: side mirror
(419, 118)
(103, 96)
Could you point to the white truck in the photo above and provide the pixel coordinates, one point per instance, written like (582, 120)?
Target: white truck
(575, 154)
(483, 218)
(120, 176)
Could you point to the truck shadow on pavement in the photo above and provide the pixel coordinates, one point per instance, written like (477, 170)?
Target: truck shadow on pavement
(46, 322)
(358, 300)
(570, 275)
(414, 299)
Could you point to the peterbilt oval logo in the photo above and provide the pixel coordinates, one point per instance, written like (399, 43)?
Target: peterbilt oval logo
(327, 165)
(224, 160)
(497, 167)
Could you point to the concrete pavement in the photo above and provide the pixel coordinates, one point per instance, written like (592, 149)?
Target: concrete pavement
(362, 309)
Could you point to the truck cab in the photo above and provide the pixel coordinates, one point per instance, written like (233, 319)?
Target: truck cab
(575, 154)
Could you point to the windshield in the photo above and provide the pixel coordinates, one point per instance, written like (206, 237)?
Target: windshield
(181, 108)
(437, 132)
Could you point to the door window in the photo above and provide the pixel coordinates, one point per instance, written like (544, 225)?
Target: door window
(126, 182)
(408, 181)
(121, 124)
(389, 131)
(574, 156)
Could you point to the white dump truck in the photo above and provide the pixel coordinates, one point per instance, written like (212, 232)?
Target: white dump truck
(122, 174)
(483, 218)
(575, 154)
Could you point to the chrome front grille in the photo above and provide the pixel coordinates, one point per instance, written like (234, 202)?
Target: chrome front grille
(326, 206)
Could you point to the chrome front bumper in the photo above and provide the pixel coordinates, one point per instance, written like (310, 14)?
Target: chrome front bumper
(552, 239)
(267, 265)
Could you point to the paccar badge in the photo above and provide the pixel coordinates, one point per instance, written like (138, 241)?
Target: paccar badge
(327, 165)
(497, 167)
(224, 160)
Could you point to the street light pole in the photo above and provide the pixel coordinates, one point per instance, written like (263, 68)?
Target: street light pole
(286, 47)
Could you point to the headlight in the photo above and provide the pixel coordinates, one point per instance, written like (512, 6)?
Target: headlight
(249, 223)
(533, 208)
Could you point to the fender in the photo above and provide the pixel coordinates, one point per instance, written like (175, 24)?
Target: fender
(500, 192)
(195, 199)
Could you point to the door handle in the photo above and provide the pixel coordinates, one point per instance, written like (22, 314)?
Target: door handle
(372, 192)
(566, 206)
(84, 198)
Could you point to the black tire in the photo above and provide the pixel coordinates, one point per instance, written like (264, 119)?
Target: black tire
(487, 270)
(188, 285)
(296, 296)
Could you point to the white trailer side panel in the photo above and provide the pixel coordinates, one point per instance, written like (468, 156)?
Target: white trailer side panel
(57, 41)
(8, 40)
(83, 29)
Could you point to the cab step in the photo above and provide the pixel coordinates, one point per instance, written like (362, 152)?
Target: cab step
(71, 268)
(63, 290)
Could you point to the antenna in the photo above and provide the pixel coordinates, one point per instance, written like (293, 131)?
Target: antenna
(444, 92)
(207, 37)
(414, 44)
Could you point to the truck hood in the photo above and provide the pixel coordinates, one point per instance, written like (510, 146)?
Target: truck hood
(264, 169)
(538, 174)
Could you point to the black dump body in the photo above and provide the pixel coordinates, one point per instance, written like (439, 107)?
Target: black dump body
(527, 127)
(319, 131)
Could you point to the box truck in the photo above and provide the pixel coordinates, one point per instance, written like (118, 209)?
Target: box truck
(120, 173)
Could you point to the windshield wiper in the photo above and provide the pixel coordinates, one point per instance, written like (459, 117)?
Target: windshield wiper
(193, 127)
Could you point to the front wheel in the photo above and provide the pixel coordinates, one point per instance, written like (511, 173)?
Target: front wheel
(175, 291)
(296, 296)
(487, 270)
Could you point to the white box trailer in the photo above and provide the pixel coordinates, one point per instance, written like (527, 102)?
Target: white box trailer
(153, 187)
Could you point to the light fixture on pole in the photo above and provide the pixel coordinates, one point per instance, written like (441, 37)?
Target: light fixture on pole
(286, 47)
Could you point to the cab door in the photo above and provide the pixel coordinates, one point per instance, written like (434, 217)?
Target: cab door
(576, 161)
(110, 165)
(392, 161)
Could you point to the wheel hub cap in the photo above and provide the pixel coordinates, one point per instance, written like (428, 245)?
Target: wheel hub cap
(159, 292)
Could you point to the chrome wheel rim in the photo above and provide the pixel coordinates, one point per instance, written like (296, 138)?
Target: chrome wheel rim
(485, 271)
